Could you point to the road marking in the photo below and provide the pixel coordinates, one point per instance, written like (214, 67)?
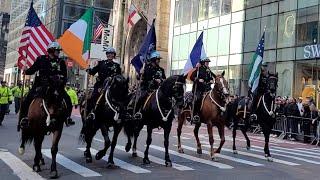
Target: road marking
(226, 157)
(121, 164)
(288, 156)
(273, 140)
(289, 152)
(310, 149)
(153, 158)
(72, 166)
(258, 156)
(297, 150)
(199, 160)
(184, 138)
(19, 168)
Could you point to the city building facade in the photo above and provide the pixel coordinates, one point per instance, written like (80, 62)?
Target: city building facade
(232, 29)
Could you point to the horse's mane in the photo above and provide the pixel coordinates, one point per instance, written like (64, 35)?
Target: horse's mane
(167, 85)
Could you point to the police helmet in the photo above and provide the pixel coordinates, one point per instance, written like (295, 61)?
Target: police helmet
(110, 50)
(155, 55)
(205, 59)
(54, 45)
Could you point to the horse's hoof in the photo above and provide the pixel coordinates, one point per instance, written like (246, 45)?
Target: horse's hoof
(100, 155)
(54, 174)
(248, 148)
(168, 164)
(21, 150)
(180, 150)
(42, 162)
(134, 154)
(36, 168)
(235, 152)
(214, 158)
(88, 160)
(128, 147)
(270, 159)
(111, 165)
(199, 151)
(146, 161)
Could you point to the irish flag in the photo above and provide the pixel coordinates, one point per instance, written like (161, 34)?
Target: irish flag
(76, 40)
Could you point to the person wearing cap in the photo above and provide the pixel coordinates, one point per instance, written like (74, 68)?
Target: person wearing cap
(47, 66)
(17, 92)
(202, 78)
(106, 69)
(5, 97)
(152, 75)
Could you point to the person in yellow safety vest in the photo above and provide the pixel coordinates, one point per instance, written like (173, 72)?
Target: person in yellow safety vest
(74, 98)
(16, 92)
(5, 98)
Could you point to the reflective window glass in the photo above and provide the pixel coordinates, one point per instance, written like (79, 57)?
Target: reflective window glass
(307, 25)
(270, 22)
(287, 5)
(252, 35)
(224, 40)
(203, 9)
(236, 38)
(286, 29)
(212, 42)
(253, 13)
(237, 5)
(214, 8)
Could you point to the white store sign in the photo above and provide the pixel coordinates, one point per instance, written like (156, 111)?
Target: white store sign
(311, 51)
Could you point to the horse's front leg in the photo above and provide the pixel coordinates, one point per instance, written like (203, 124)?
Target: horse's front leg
(196, 135)
(266, 134)
(149, 140)
(105, 134)
(117, 129)
(181, 119)
(234, 135)
(211, 140)
(167, 130)
(222, 138)
(54, 150)
(244, 132)
(38, 157)
(134, 146)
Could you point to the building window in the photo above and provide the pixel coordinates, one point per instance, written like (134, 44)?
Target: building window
(252, 35)
(308, 3)
(194, 10)
(236, 38)
(270, 22)
(73, 12)
(307, 25)
(213, 42)
(253, 3)
(237, 5)
(253, 13)
(287, 5)
(224, 40)
(287, 29)
(225, 7)
(177, 14)
(214, 8)
(203, 9)
(184, 45)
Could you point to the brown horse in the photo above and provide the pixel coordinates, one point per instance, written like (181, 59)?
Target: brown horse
(38, 127)
(211, 113)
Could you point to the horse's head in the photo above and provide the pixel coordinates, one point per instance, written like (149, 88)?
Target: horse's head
(272, 83)
(174, 87)
(119, 88)
(221, 85)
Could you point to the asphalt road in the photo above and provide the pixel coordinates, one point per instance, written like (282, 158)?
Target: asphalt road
(292, 160)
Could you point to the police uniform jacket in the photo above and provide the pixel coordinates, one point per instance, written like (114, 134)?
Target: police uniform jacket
(205, 74)
(150, 74)
(105, 69)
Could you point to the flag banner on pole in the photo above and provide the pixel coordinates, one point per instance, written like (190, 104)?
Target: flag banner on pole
(98, 29)
(148, 45)
(196, 54)
(34, 41)
(134, 16)
(255, 65)
(76, 41)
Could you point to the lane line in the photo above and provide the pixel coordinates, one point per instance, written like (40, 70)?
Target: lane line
(297, 150)
(182, 137)
(258, 156)
(71, 165)
(121, 164)
(288, 156)
(251, 163)
(153, 158)
(199, 160)
(288, 152)
(19, 168)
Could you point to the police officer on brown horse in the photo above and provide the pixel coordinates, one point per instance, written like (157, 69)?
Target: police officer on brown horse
(202, 78)
(106, 69)
(48, 67)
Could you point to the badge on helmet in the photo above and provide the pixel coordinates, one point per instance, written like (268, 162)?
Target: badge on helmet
(205, 59)
(54, 45)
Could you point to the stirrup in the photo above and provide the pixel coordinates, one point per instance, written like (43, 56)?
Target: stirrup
(91, 116)
(196, 119)
(138, 116)
(253, 117)
(24, 123)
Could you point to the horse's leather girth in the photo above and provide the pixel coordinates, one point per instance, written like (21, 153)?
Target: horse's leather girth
(147, 100)
(203, 98)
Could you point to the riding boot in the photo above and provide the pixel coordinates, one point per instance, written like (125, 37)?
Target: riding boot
(196, 117)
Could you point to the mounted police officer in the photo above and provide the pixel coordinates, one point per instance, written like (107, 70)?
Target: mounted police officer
(262, 87)
(46, 67)
(152, 77)
(106, 69)
(202, 78)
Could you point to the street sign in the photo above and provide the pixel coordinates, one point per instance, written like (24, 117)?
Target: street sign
(107, 37)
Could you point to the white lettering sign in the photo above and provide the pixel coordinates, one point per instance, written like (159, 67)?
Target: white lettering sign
(107, 37)
(311, 51)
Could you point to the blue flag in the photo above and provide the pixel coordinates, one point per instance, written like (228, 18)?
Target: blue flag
(196, 54)
(148, 45)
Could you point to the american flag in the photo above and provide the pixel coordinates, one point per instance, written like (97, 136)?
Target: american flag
(34, 41)
(98, 29)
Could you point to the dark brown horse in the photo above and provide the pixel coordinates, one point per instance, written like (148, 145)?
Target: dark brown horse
(38, 127)
(211, 113)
